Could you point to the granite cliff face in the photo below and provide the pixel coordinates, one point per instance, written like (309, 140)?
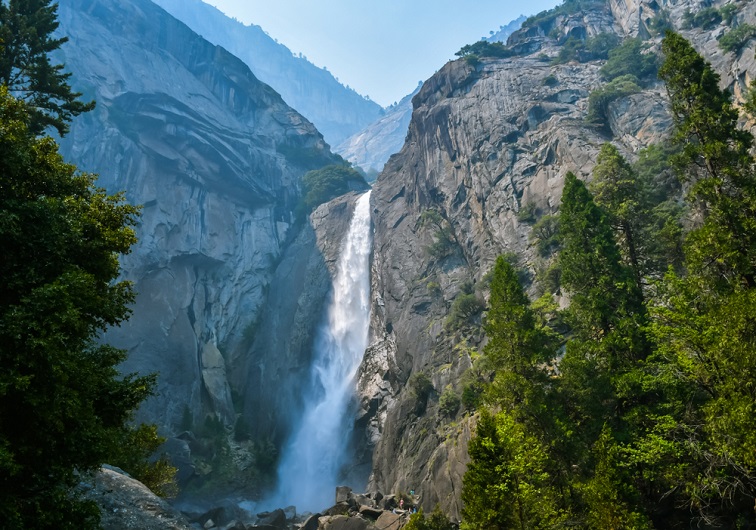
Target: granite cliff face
(337, 111)
(485, 141)
(215, 157)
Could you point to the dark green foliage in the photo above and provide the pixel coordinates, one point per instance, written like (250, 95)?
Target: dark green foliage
(444, 243)
(471, 394)
(484, 48)
(464, 309)
(26, 28)
(660, 23)
(599, 99)
(716, 159)
(506, 484)
(528, 213)
(550, 80)
(448, 403)
(629, 59)
(706, 18)
(728, 13)
(422, 388)
(617, 189)
(241, 429)
(63, 404)
(266, 455)
(136, 455)
(187, 421)
(435, 521)
(306, 157)
(735, 39)
(545, 234)
(603, 289)
(322, 185)
(646, 421)
(576, 49)
(750, 100)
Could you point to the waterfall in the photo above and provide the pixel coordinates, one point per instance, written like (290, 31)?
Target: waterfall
(313, 458)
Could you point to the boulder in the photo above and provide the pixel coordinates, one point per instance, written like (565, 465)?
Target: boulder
(342, 494)
(341, 508)
(311, 523)
(370, 512)
(389, 521)
(127, 504)
(276, 519)
(342, 522)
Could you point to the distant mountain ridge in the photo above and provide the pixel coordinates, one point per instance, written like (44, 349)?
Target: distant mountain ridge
(336, 111)
(371, 147)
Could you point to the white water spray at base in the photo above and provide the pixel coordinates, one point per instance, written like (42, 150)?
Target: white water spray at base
(313, 458)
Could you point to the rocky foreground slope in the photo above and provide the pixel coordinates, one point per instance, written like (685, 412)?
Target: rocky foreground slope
(488, 140)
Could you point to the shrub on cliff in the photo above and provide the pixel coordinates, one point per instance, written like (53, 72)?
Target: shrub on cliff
(735, 39)
(322, 185)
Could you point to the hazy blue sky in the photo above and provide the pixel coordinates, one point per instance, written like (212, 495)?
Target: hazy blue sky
(381, 48)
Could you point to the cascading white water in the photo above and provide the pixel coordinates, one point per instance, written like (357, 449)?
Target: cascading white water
(311, 461)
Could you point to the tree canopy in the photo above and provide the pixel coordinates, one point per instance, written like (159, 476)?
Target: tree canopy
(64, 406)
(322, 185)
(26, 28)
(645, 418)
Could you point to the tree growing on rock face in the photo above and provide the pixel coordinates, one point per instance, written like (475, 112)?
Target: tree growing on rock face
(26, 28)
(64, 406)
(703, 319)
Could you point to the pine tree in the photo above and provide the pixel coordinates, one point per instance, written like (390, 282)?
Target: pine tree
(703, 320)
(26, 28)
(64, 406)
(506, 485)
(605, 302)
(616, 188)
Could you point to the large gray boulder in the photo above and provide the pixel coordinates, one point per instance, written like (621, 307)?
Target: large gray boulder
(127, 504)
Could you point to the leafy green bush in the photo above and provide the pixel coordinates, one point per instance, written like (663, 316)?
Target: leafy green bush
(660, 23)
(472, 395)
(545, 234)
(448, 403)
(463, 310)
(728, 13)
(305, 157)
(735, 39)
(421, 387)
(435, 521)
(484, 48)
(706, 18)
(444, 242)
(750, 100)
(241, 429)
(135, 456)
(576, 49)
(322, 185)
(628, 59)
(599, 99)
(550, 80)
(528, 213)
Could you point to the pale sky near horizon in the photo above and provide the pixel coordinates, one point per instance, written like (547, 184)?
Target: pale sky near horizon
(381, 48)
